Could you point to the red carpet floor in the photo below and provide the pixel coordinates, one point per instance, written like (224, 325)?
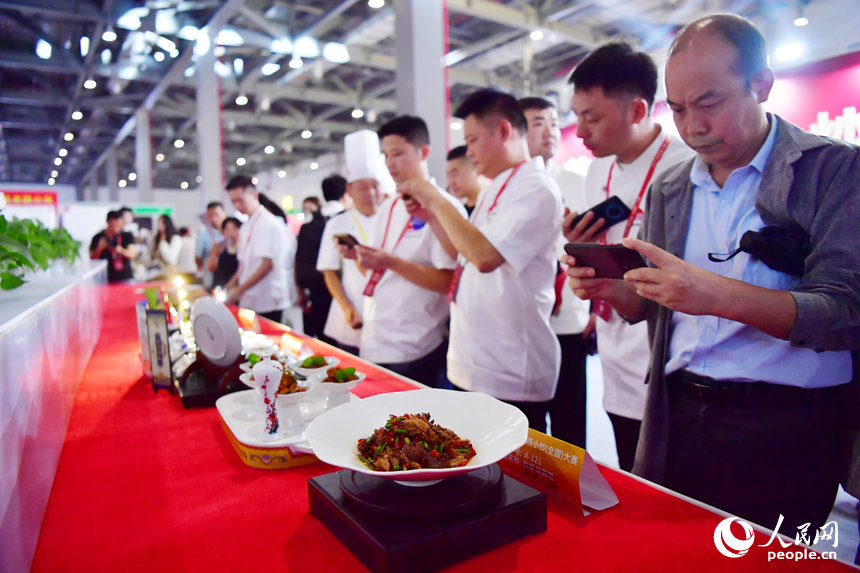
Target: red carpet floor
(144, 485)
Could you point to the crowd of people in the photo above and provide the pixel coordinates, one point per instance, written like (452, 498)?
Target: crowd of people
(726, 373)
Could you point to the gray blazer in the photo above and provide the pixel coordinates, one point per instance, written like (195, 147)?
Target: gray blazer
(809, 182)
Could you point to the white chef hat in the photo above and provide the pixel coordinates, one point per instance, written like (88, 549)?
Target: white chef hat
(362, 153)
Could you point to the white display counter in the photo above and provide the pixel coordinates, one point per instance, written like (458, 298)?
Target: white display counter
(48, 329)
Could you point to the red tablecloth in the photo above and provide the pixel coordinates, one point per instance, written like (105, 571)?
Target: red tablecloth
(144, 485)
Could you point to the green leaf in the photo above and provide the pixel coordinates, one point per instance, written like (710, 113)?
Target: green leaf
(40, 256)
(347, 372)
(338, 374)
(8, 281)
(20, 259)
(253, 359)
(2, 224)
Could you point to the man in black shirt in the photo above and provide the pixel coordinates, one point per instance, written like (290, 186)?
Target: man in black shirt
(116, 247)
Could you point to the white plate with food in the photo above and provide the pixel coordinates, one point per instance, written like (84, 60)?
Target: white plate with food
(471, 427)
(316, 364)
(338, 385)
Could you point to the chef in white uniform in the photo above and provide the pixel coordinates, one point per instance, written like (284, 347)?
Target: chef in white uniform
(630, 151)
(405, 311)
(345, 281)
(502, 293)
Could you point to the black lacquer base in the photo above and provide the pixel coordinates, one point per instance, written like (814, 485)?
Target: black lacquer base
(392, 528)
(203, 382)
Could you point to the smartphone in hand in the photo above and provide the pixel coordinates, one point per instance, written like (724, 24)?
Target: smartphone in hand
(613, 211)
(608, 261)
(347, 241)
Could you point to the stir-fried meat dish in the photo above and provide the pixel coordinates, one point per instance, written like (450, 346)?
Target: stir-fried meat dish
(413, 442)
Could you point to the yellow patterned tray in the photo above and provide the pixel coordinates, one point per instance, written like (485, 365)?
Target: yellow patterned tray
(277, 458)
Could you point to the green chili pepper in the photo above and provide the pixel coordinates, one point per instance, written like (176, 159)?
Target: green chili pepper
(380, 447)
(365, 460)
(399, 431)
(426, 447)
(397, 468)
(406, 439)
(462, 450)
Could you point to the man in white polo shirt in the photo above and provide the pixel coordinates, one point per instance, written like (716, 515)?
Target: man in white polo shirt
(343, 278)
(260, 284)
(614, 90)
(502, 293)
(405, 311)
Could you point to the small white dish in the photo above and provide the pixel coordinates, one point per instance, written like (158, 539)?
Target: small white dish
(296, 366)
(338, 392)
(494, 428)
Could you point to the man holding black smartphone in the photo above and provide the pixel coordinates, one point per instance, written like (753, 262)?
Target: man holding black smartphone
(614, 90)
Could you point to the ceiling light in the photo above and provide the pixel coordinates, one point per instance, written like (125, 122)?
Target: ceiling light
(188, 33)
(63, 152)
(241, 99)
(76, 115)
(183, 185)
(281, 46)
(296, 63)
(109, 35)
(43, 49)
(238, 66)
(229, 37)
(90, 84)
(315, 166)
(51, 181)
(270, 68)
(121, 183)
(800, 22)
(306, 47)
(106, 56)
(58, 161)
(199, 179)
(189, 71)
(178, 144)
(159, 157)
(357, 113)
(306, 134)
(131, 19)
(240, 162)
(270, 149)
(254, 180)
(202, 45)
(336, 53)
(789, 52)
(69, 136)
(282, 173)
(376, 3)
(536, 35)
(220, 51)
(159, 56)
(456, 125)
(132, 176)
(174, 53)
(55, 173)
(85, 46)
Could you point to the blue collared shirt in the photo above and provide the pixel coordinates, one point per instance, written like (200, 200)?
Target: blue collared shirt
(728, 350)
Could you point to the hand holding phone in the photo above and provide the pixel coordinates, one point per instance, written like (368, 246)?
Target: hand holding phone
(586, 227)
(608, 261)
(346, 240)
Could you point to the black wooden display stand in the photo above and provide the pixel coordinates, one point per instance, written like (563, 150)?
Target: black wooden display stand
(391, 527)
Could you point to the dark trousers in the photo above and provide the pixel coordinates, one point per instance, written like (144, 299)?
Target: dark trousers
(316, 317)
(567, 409)
(425, 369)
(775, 450)
(274, 316)
(626, 432)
(347, 348)
(535, 411)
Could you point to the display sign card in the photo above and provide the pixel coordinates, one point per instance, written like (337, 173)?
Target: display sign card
(563, 472)
(248, 320)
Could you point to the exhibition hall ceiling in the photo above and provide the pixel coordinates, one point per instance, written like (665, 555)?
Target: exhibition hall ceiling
(297, 75)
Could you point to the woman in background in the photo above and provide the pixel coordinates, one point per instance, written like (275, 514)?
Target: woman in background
(167, 244)
(223, 261)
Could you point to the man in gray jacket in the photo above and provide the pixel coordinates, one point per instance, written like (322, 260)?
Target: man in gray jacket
(749, 365)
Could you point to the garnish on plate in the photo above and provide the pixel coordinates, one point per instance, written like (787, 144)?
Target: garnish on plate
(315, 361)
(340, 375)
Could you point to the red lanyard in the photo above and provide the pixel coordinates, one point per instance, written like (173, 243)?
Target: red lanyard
(458, 271)
(376, 276)
(636, 210)
(499, 194)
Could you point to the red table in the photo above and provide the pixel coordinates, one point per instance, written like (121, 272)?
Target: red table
(144, 485)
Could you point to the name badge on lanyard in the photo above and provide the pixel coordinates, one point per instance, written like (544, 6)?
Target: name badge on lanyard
(376, 276)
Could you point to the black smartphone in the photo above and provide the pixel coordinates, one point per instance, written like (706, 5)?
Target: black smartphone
(347, 241)
(613, 211)
(608, 261)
